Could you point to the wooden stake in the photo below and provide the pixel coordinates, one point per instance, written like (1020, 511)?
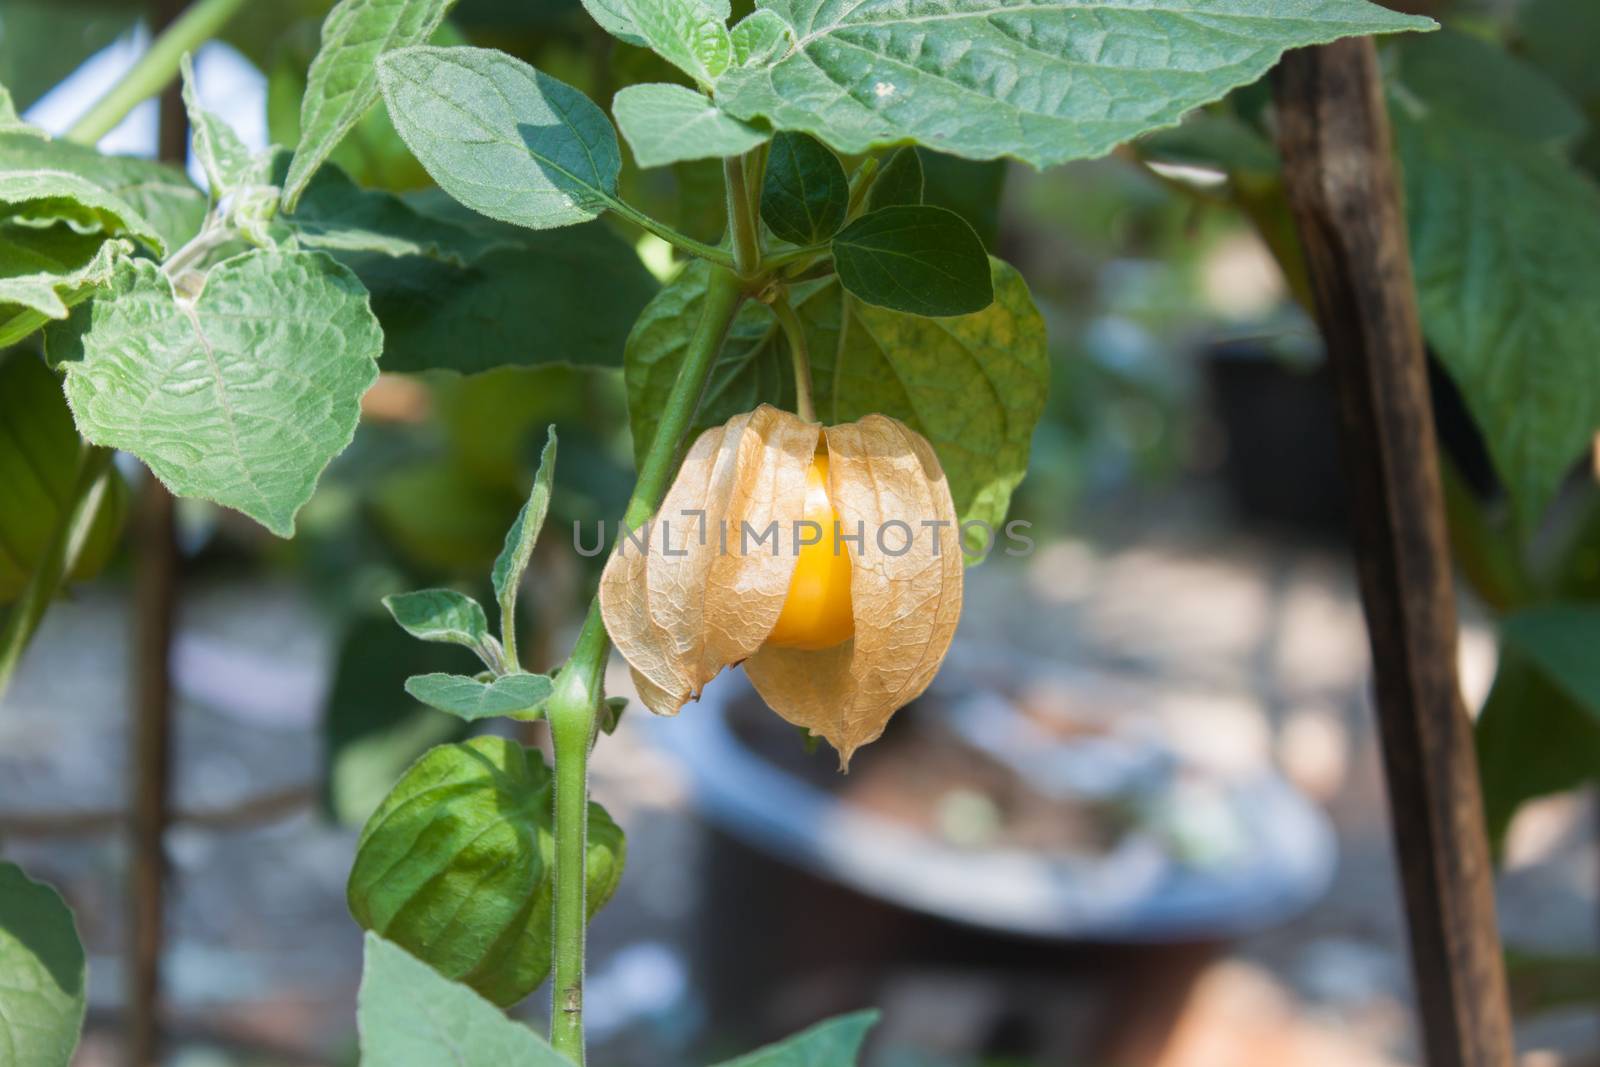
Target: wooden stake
(155, 597)
(1334, 135)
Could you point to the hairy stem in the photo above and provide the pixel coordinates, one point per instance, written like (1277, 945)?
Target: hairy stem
(799, 355)
(157, 67)
(61, 555)
(574, 706)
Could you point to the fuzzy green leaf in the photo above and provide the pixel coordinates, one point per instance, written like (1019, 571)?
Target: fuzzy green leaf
(455, 865)
(899, 183)
(502, 138)
(671, 123)
(45, 272)
(343, 82)
(805, 196)
(835, 1043)
(692, 35)
(752, 367)
(974, 386)
(447, 616)
(917, 259)
(520, 696)
(163, 196)
(46, 197)
(411, 1016)
(760, 37)
(1506, 246)
(39, 454)
(43, 989)
(1043, 81)
(10, 121)
(513, 559)
(241, 395)
(228, 163)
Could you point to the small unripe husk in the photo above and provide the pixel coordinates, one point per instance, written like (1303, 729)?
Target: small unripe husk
(691, 596)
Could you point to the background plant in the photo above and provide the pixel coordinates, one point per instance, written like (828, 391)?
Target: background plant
(226, 338)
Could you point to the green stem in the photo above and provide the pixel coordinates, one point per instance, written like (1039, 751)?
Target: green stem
(682, 242)
(157, 67)
(799, 354)
(61, 555)
(742, 218)
(574, 707)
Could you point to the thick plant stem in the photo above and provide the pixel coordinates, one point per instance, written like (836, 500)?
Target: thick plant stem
(157, 67)
(574, 706)
(742, 218)
(61, 554)
(573, 712)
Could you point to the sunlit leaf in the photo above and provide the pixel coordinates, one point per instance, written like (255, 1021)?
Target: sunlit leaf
(467, 698)
(43, 987)
(241, 395)
(669, 123)
(1044, 81)
(343, 81)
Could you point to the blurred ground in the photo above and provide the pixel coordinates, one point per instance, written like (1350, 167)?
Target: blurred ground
(1264, 631)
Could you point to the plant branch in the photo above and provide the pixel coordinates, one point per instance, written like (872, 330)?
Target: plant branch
(681, 241)
(742, 218)
(799, 355)
(61, 555)
(574, 707)
(155, 69)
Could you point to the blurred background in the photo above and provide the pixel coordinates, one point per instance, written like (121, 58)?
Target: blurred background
(1139, 820)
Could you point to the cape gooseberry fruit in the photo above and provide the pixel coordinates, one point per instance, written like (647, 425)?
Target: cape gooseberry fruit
(825, 559)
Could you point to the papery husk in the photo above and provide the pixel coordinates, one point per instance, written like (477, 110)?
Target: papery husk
(680, 619)
(906, 607)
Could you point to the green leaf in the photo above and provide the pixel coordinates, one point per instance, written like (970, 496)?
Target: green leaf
(1044, 82)
(1484, 84)
(343, 82)
(371, 732)
(55, 269)
(336, 215)
(447, 616)
(10, 121)
(805, 195)
(410, 1016)
(46, 197)
(162, 195)
(916, 259)
(590, 286)
(523, 535)
(1559, 36)
(616, 18)
(39, 455)
(670, 123)
(241, 395)
(750, 369)
(228, 163)
(974, 386)
(760, 37)
(30, 70)
(43, 994)
(504, 139)
(835, 1043)
(689, 34)
(972, 190)
(520, 696)
(1506, 245)
(455, 865)
(1539, 732)
(899, 183)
